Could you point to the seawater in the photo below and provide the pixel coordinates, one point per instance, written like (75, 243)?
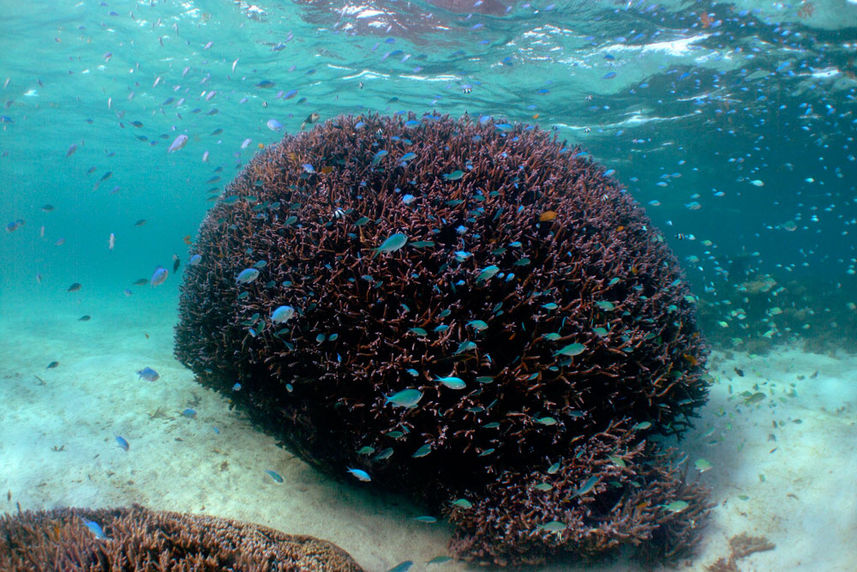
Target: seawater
(733, 125)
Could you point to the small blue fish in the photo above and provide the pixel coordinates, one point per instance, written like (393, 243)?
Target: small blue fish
(274, 475)
(282, 314)
(247, 276)
(360, 475)
(426, 519)
(465, 346)
(422, 451)
(274, 125)
(384, 454)
(94, 527)
(376, 158)
(189, 413)
(487, 273)
(122, 442)
(195, 259)
(407, 398)
(148, 374)
(159, 276)
(553, 526)
(402, 566)
(586, 487)
(452, 382)
(178, 143)
(394, 242)
(571, 350)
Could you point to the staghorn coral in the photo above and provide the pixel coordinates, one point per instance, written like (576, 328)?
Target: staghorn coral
(627, 505)
(527, 275)
(139, 539)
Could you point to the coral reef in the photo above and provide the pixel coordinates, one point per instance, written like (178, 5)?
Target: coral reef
(135, 538)
(460, 308)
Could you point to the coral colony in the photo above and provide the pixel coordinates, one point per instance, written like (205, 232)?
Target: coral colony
(466, 310)
(136, 538)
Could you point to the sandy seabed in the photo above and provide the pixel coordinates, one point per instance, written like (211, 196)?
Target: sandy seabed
(783, 467)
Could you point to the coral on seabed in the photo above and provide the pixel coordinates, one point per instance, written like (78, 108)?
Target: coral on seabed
(741, 546)
(136, 538)
(468, 310)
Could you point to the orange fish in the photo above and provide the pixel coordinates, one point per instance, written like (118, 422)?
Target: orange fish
(547, 216)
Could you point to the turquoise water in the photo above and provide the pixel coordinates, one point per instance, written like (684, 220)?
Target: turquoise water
(733, 125)
(690, 105)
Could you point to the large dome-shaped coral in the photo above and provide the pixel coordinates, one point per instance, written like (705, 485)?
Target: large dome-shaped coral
(468, 310)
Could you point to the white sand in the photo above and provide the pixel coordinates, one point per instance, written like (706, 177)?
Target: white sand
(793, 483)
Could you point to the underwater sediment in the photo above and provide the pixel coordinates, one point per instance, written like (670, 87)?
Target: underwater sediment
(471, 312)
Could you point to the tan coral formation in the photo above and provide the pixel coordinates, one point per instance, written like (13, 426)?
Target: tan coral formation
(136, 538)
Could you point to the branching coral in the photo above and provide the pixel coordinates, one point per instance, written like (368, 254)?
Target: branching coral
(606, 494)
(490, 270)
(139, 539)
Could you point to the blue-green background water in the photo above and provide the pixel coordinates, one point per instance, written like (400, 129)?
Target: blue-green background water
(690, 102)
(732, 124)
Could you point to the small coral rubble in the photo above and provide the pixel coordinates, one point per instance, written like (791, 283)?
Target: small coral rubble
(741, 546)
